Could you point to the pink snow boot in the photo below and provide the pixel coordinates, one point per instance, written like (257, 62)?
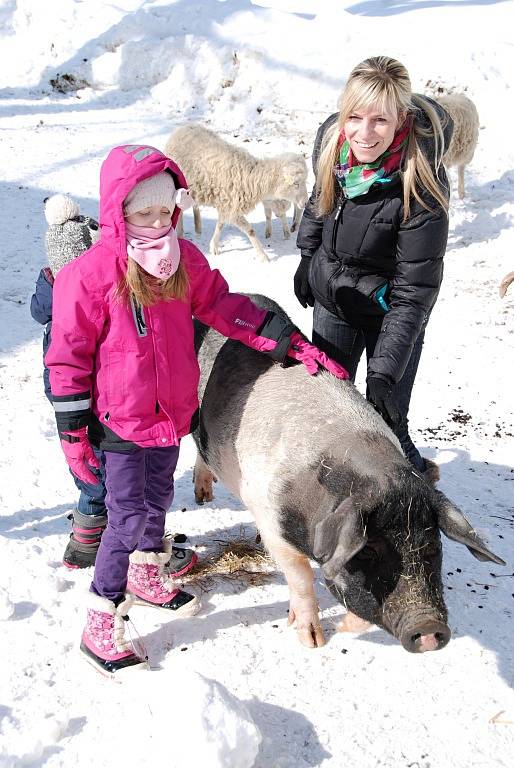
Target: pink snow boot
(103, 643)
(149, 585)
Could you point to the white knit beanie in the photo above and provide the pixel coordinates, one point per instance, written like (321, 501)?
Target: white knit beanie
(156, 190)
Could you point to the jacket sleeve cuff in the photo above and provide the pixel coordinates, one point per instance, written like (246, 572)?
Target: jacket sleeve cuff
(277, 329)
(72, 411)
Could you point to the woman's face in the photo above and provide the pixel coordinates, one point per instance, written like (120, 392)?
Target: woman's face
(370, 132)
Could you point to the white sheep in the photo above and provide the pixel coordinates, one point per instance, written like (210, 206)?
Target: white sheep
(280, 208)
(233, 181)
(465, 133)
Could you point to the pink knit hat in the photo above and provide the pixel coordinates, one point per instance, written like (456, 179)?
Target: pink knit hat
(156, 190)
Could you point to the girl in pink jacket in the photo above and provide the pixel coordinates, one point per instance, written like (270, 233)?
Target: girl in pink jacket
(124, 377)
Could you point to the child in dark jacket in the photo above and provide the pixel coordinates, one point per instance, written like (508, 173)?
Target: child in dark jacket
(69, 234)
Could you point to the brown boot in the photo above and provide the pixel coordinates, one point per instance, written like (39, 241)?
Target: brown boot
(431, 473)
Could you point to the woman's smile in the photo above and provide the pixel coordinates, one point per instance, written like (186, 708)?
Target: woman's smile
(370, 133)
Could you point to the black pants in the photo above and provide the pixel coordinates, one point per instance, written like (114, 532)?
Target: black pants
(345, 344)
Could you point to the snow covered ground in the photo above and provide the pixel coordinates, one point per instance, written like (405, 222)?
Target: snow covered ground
(232, 687)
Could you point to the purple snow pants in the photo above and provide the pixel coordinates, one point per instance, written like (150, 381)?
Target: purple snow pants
(139, 493)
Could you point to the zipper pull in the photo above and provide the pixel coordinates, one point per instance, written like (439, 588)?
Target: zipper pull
(340, 203)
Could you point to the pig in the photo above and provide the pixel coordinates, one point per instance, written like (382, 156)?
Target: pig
(326, 480)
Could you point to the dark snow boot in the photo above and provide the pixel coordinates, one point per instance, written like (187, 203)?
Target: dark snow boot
(84, 540)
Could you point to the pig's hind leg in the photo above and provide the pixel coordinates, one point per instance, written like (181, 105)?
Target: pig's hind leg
(303, 606)
(203, 477)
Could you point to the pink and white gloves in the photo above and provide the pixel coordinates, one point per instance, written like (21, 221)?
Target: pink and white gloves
(313, 358)
(280, 339)
(80, 455)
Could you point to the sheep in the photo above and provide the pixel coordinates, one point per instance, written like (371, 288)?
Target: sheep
(280, 208)
(507, 280)
(231, 180)
(465, 133)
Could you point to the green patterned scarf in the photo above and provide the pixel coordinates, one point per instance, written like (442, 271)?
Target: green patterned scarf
(356, 179)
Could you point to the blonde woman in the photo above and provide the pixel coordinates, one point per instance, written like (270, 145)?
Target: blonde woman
(374, 232)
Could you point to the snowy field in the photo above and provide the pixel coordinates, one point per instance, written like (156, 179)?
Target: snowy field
(233, 687)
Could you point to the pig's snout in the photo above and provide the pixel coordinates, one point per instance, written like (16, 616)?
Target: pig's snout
(427, 636)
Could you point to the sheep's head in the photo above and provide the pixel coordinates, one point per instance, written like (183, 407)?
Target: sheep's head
(292, 183)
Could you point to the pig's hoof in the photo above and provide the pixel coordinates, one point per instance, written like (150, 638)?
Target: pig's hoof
(352, 623)
(311, 636)
(202, 496)
(310, 633)
(203, 486)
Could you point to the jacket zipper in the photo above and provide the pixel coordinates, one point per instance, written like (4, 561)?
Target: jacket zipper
(336, 224)
(139, 316)
(158, 405)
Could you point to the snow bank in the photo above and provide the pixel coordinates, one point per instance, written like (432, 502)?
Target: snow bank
(6, 606)
(235, 57)
(199, 722)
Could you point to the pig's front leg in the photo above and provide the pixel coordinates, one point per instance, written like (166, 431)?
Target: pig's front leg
(303, 606)
(203, 478)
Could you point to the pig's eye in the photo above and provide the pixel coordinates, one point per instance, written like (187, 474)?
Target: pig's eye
(368, 553)
(432, 549)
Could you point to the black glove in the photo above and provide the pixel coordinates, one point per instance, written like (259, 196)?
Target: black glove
(302, 289)
(380, 394)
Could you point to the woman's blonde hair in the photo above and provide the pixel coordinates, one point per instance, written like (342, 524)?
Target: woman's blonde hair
(148, 290)
(384, 83)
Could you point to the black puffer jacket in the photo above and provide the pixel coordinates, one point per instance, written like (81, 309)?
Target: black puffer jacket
(374, 270)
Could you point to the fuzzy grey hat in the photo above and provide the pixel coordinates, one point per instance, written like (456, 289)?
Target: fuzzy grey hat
(69, 234)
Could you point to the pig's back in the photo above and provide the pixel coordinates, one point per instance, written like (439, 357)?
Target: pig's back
(262, 424)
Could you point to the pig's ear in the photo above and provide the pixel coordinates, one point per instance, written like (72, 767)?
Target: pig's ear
(454, 525)
(338, 536)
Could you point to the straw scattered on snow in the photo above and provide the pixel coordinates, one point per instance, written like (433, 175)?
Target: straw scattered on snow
(239, 560)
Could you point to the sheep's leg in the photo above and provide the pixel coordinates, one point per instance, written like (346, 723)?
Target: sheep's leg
(460, 171)
(215, 241)
(285, 225)
(180, 226)
(197, 219)
(507, 280)
(267, 213)
(296, 217)
(247, 228)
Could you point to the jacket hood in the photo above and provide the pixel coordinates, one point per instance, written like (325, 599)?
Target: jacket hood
(123, 168)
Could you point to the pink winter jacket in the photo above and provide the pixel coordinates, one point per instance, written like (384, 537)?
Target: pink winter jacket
(134, 367)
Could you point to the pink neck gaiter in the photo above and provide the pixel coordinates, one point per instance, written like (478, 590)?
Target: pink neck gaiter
(156, 250)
